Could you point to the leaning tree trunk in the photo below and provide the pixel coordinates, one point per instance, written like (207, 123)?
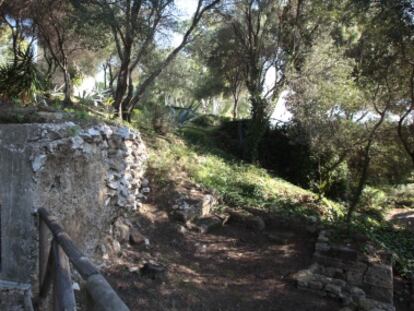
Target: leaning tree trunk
(364, 170)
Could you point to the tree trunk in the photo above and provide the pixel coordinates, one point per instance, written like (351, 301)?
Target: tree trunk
(257, 129)
(235, 107)
(122, 82)
(68, 87)
(105, 67)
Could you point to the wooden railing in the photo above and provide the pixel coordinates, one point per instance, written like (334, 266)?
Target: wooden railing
(55, 259)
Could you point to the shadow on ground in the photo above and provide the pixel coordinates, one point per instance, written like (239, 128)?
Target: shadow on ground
(231, 268)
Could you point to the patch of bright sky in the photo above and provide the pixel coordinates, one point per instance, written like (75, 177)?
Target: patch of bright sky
(280, 114)
(185, 10)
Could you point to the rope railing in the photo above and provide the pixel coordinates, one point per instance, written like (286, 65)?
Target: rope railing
(54, 269)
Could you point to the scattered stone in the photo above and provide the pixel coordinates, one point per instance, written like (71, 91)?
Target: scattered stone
(76, 286)
(133, 269)
(182, 229)
(121, 231)
(336, 290)
(116, 247)
(136, 237)
(207, 204)
(38, 162)
(314, 284)
(77, 142)
(357, 293)
(113, 185)
(206, 224)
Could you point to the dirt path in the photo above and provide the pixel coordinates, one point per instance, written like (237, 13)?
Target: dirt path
(402, 218)
(231, 268)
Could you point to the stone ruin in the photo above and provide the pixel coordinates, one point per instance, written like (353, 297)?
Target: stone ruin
(363, 282)
(85, 176)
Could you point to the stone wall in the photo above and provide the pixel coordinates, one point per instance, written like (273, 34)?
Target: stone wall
(361, 280)
(85, 176)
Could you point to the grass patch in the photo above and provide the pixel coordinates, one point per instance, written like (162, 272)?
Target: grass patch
(237, 184)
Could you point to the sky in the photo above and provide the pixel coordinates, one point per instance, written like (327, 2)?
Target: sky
(186, 7)
(185, 10)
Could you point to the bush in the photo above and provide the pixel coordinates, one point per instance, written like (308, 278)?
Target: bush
(21, 81)
(207, 120)
(155, 116)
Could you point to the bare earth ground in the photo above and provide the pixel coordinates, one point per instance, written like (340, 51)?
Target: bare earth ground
(231, 268)
(402, 218)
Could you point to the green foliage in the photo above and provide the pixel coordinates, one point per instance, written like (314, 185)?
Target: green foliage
(207, 120)
(239, 185)
(21, 81)
(399, 241)
(373, 198)
(155, 116)
(74, 130)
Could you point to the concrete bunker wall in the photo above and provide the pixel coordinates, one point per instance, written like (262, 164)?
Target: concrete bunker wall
(85, 177)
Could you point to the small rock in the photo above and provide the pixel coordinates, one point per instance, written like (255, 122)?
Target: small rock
(38, 162)
(322, 247)
(113, 185)
(116, 246)
(336, 290)
(146, 190)
(206, 224)
(182, 229)
(315, 285)
(133, 269)
(136, 237)
(125, 133)
(357, 293)
(76, 142)
(258, 223)
(106, 130)
(121, 231)
(207, 204)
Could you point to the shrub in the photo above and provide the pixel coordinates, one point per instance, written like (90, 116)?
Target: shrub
(21, 81)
